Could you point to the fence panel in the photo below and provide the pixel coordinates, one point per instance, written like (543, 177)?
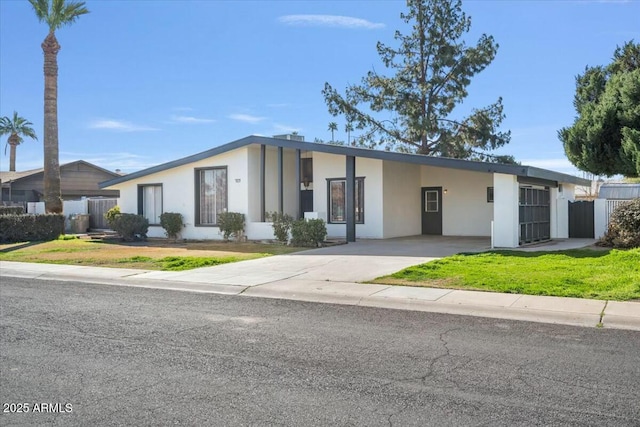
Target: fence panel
(97, 209)
(612, 205)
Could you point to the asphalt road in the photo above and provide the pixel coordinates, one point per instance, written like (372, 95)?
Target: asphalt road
(130, 356)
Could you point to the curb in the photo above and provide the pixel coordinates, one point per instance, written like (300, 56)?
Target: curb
(540, 309)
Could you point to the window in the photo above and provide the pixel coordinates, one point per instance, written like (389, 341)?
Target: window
(150, 202)
(489, 194)
(211, 195)
(337, 189)
(431, 202)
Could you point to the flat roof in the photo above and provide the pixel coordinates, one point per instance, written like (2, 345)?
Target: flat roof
(443, 162)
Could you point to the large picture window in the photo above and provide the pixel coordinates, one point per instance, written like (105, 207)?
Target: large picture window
(211, 195)
(150, 202)
(337, 190)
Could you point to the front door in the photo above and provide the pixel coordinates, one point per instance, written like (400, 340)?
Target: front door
(306, 201)
(432, 210)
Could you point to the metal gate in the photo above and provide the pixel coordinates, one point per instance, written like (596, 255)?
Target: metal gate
(581, 219)
(535, 215)
(97, 208)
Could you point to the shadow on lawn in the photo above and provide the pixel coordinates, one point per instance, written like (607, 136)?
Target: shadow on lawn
(18, 247)
(573, 253)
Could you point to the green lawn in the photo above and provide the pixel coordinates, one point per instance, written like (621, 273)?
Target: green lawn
(582, 273)
(151, 255)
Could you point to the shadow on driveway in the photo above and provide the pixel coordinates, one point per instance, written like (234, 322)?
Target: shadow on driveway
(414, 246)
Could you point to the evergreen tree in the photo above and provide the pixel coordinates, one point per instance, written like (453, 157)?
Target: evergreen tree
(432, 67)
(605, 137)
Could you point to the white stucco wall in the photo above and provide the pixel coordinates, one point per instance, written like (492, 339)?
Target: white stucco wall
(334, 166)
(465, 210)
(562, 211)
(402, 199)
(178, 192)
(559, 214)
(600, 220)
(253, 183)
(505, 211)
(271, 181)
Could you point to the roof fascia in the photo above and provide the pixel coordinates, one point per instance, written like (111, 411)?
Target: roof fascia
(443, 162)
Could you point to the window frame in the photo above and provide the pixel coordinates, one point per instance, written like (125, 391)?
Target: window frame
(490, 194)
(359, 186)
(141, 188)
(197, 183)
(426, 201)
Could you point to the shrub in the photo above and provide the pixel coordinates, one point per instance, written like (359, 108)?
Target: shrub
(130, 226)
(624, 226)
(11, 210)
(111, 215)
(231, 224)
(30, 228)
(309, 233)
(172, 223)
(281, 225)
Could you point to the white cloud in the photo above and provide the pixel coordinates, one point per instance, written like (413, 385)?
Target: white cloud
(247, 118)
(329, 21)
(285, 128)
(119, 126)
(190, 119)
(126, 162)
(558, 164)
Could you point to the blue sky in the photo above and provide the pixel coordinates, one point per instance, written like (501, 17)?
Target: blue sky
(144, 82)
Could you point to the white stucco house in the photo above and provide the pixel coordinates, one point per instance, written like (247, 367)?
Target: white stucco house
(360, 193)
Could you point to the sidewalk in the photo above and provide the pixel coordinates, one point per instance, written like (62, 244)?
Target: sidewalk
(298, 284)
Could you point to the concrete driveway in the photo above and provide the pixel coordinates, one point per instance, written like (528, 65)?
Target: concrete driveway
(354, 262)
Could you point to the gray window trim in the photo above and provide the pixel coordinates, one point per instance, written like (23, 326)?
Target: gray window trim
(197, 193)
(361, 204)
(141, 199)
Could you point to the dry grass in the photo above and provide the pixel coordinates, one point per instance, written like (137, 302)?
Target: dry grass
(141, 255)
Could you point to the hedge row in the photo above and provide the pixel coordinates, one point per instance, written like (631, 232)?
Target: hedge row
(11, 210)
(30, 228)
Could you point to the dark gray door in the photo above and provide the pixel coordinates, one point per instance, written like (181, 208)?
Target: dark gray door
(432, 210)
(306, 201)
(581, 219)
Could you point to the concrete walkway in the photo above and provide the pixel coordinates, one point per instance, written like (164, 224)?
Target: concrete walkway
(330, 274)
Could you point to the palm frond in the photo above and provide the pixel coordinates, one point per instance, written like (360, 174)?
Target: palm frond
(18, 126)
(41, 8)
(58, 13)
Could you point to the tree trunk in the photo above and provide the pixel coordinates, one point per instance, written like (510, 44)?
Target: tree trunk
(13, 142)
(52, 194)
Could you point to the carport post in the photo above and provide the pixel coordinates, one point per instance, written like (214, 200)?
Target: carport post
(280, 180)
(263, 156)
(298, 210)
(351, 198)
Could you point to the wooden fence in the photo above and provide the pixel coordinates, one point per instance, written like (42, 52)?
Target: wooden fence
(97, 209)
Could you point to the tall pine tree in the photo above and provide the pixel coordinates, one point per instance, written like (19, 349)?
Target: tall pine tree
(432, 67)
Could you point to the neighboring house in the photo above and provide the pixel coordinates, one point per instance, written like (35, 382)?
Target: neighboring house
(77, 179)
(619, 191)
(393, 194)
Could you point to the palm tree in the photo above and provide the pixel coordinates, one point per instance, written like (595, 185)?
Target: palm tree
(16, 128)
(348, 128)
(333, 126)
(56, 14)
